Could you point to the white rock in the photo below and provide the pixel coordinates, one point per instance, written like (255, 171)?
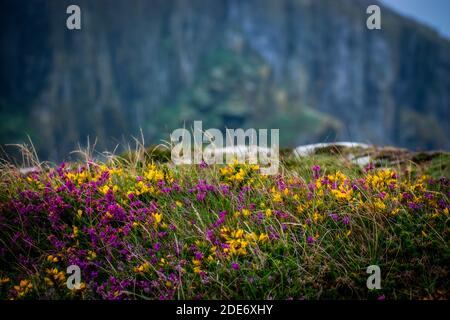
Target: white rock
(309, 149)
(28, 170)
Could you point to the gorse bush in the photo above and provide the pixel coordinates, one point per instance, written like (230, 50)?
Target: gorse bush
(150, 230)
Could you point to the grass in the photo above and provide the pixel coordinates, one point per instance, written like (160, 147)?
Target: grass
(141, 228)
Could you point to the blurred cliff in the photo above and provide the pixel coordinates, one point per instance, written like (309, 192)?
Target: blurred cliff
(308, 67)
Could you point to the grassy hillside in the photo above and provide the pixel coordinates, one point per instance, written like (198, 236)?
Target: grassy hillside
(141, 228)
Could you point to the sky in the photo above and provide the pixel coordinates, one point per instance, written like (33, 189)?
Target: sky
(435, 13)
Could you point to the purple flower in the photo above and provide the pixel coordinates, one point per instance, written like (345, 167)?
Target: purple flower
(316, 171)
(334, 216)
(414, 206)
(198, 255)
(370, 166)
(235, 265)
(210, 235)
(310, 240)
(346, 220)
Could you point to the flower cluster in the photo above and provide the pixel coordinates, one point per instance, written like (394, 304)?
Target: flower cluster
(229, 232)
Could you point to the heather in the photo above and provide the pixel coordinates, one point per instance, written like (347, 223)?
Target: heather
(141, 228)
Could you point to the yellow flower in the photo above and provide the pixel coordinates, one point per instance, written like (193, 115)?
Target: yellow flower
(4, 280)
(142, 268)
(104, 189)
(238, 234)
(81, 287)
(162, 262)
(263, 237)
(48, 281)
(268, 212)
(251, 236)
(277, 197)
(158, 217)
(196, 262)
(53, 259)
(23, 288)
(79, 213)
(380, 205)
(75, 231)
(246, 212)
(197, 269)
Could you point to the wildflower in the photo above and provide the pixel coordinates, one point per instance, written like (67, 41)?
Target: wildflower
(24, 287)
(380, 205)
(310, 240)
(414, 206)
(91, 255)
(157, 217)
(263, 237)
(198, 255)
(75, 231)
(277, 197)
(370, 166)
(238, 234)
(54, 277)
(316, 171)
(346, 220)
(334, 216)
(235, 265)
(4, 280)
(142, 268)
(53, 259)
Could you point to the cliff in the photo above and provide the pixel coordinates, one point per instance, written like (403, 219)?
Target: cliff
(310, 68)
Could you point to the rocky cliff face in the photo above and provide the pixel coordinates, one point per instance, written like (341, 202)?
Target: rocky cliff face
(310, 68)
